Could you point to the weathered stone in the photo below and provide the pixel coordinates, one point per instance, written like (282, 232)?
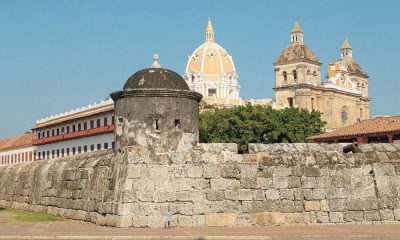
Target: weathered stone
(311, 171)
(336, 217)
(268, 218)
(221, 219)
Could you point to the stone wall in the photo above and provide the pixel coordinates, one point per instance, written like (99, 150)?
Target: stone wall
(212, 185)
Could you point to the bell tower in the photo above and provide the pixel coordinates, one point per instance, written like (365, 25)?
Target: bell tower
(296, 35)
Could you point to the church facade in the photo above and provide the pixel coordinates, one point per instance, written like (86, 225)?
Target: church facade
(342, 99)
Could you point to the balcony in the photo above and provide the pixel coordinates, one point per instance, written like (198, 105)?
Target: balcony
(74, 135)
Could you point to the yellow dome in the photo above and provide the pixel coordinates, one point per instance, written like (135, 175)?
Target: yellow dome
(210, 61)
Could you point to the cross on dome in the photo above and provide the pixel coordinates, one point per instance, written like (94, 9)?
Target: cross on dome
(155, 62)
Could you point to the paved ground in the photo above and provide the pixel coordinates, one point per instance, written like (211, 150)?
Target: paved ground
(78, 230)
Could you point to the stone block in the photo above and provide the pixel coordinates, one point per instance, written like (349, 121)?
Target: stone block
(381, 169)
(195, 171)
(221, 219)
(248, 171)
(294, 182)
(322, 217)
(286, 194)
(371, 216)
(308, 182)
(250, 183)
(386, 215)
(312, 206)
(244, 194)
(318, 194)
(280, 182)
(287, 206)
(397, 214)
(218, 184)
(258, 195)
(264, 183)
(336, 217)
(268, 218)
(337, 205)
(230, 170)
(311, 171)
(271, 194)
(353, 216)
(214, 195)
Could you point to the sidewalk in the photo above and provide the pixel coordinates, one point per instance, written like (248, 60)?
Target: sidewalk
(78, 230)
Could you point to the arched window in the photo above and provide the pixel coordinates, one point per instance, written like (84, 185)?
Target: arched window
(284, 76)
(294, 75)
(308, 72)
(314, 73)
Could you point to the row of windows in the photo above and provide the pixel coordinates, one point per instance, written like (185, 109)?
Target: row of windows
(75, 127)
(294, 72)
(70, 151)
(16, 158)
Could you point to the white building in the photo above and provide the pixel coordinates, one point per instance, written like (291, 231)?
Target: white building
(78, 131)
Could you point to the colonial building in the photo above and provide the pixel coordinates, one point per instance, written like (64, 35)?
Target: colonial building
(210, 71)
(17, 149)
(342, 99)
(73, 132)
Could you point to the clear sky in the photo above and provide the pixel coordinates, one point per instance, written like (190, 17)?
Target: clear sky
(59, 55)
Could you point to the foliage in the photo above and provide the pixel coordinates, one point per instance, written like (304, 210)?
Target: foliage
(259, 124)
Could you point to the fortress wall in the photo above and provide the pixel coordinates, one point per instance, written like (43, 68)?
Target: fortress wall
(279, 184)
(212, 185)
(85, 187)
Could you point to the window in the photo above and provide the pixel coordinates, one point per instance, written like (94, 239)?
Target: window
(92, 147)
(48, 133)
(113, 144)
(105, 121)
(48, 154)
(98, 122)
(105, 145)
(84, 148)
(67, 151)
(294, 75)
(39, 155)
(52, 133)
(157, 124)
(308, 72)
(91, 124)
(38, 135)
(73, 150)
(98, 146)
(44, 154)
(62, 152)
(58, 152)
(73, 128)
(58, 131)
(112, 120)
(290, 102)
(212, 92)
(85, 126)
(52, 153)
(312, 104)
(79, 127)
(284, 76)
(79, 149)
(62, 130)
(67, 129)
(177, 123)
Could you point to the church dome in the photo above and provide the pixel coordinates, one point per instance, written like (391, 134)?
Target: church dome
(210, 61)
(296, 51)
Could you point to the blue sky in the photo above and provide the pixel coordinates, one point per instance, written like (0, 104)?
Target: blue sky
(59, 55)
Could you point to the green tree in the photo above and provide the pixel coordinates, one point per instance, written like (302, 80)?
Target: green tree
(258, 124)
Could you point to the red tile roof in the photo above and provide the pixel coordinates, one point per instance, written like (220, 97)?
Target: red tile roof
(16, 142)
(379, 125)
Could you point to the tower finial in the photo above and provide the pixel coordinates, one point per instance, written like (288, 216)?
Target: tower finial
(346, 50)
(296, 34)
(155, 61)
(209, 31)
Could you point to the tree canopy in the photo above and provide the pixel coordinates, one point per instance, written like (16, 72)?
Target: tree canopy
(259, 124)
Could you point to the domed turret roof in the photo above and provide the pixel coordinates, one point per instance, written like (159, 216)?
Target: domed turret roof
(210, 60)
(156, 78)
(296, 51)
